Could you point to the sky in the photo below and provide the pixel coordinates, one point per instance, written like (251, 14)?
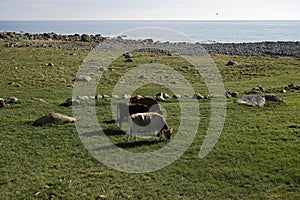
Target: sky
(149, 10)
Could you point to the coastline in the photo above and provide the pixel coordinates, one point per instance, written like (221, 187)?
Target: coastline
(266, 49)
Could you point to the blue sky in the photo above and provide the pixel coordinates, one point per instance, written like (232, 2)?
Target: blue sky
(151, 9)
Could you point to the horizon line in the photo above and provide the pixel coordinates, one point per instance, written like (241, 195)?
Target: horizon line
(149, 19)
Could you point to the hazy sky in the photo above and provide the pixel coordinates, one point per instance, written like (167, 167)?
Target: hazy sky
(150, 9)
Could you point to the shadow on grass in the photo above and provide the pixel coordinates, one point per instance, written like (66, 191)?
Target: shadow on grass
(129, 144)
(107, 132)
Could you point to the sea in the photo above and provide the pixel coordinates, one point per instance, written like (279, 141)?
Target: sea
(203, 31)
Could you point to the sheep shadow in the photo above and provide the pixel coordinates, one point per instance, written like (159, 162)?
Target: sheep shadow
(129, 145)
(106, 132)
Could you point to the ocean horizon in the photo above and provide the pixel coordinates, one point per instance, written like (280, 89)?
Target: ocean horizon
(204, 31)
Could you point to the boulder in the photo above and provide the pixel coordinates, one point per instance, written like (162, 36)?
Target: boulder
(53, 118)
(255, 101)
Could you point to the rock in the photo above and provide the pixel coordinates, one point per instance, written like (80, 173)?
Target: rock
(82, 98)
(185, 67)
(198, 96)
(83, 79)
(50, 64)
(187, 96)
(53, 118)
(98, 96)
(126, 96)
(149, 41)
(159, 98)
(282, 91)
(12, 100)
(255, 101)
(85, 38)
(105, 96)
(176, 96)
(115, 96)
(39, 99)
(232, 63)
(256, 90)
(215, 96)
(127, 55)
(71, 102)
(143, 77)
(162, 96)
(2, 103)
(101, 69)
(273, 98)
(232, 94)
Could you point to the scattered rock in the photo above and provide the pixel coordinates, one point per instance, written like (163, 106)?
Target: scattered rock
(162, 96)
(176, 96)
(143, 77)
(82, 97)
(187, 96)
(256, 90)
(198, 96)
(83, 79)
(127, 55)
(105, 96)
(115, 96)
(53, 118)
(50, 64)
(98, 96)
(2, 103)
(292, 86)
(71, 102)
(101, 69)
(282, 91)
(215, 96)
(149, 41)
(159, 97)
(232, 94)
(232, 63)
(273, 98)
(39, 99)
(12, 100)
(126, 96)
(185, 67)
(85, 38)
(255, 101)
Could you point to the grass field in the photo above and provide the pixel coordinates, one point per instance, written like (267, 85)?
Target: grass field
(256, 157)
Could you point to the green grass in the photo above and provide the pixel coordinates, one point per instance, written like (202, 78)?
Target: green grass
(256, 157)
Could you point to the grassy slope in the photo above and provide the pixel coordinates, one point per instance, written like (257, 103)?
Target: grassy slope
(256, 157)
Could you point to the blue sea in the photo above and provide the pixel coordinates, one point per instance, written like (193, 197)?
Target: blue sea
(198, 31)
